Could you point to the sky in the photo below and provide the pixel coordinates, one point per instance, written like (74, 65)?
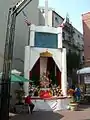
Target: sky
(74, 8)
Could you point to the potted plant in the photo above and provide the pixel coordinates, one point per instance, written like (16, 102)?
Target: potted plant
(73, 104)
(19, 96)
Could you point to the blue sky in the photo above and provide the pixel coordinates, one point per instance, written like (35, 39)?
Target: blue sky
(75, 8)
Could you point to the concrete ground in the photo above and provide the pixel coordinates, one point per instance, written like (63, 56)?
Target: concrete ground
(82, 114)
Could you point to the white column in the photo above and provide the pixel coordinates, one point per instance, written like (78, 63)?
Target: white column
(64, 73)
(59, 37)
(46, 12)
(32, 35)
(43, 65)
(26, 69)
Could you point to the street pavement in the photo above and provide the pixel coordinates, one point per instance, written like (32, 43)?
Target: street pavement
(47, 115)
(82, 114)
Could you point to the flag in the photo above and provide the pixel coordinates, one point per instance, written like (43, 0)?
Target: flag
(26, 19)
(62, 24)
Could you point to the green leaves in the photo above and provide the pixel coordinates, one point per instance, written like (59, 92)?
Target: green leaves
(73, 60)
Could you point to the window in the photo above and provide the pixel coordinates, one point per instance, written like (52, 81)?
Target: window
(69, 50)
(56, 19)
(63, 35)
(78, 36)
(42, 10)
(83, 58)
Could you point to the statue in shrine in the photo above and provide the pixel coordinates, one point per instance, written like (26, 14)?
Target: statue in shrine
(45, 81)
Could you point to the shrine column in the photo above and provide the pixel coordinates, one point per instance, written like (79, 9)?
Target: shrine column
(26, 69)
(64, 73)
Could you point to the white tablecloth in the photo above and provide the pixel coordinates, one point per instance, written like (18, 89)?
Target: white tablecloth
(50, 105)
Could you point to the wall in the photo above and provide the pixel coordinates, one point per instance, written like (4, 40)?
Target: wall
(21, 35)
(86, 33)
(56, 19)
(75, 42)
(50, 18)
(78, 37)
(42, 17)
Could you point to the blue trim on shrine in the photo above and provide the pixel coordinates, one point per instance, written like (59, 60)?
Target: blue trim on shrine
(46, 40)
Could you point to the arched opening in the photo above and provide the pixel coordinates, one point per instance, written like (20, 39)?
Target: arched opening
(43, 64)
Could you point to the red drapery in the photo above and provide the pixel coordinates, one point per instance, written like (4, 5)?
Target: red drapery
(58, 76)
(50, 64)
(35, 72)
(51, 67)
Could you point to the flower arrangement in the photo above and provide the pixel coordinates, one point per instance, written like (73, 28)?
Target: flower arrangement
(44, 81)
(57, 91)
(71, 92)
(45, 94)
(72, 105)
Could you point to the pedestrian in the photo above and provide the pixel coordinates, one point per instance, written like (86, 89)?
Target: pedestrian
(77, 93)
(73, 88)
(29, 102)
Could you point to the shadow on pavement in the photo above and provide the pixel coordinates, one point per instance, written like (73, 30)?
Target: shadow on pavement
(84, 107)
(45, 115)
(86, 119)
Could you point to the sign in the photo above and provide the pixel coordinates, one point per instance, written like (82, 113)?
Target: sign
(88, 89)
(87, 79)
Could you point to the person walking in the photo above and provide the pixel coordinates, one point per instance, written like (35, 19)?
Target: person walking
(77, 93)
(29, 102)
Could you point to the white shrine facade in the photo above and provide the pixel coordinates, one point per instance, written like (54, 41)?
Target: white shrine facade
(45, 53)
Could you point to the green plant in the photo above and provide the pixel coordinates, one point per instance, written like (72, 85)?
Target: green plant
(19, 95)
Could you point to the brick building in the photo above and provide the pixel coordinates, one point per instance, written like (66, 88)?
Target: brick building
(86, 34)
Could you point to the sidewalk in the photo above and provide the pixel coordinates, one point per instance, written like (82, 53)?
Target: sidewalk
(46, 115)
(83, 114)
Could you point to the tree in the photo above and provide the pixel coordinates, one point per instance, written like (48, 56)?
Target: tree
(73, 61)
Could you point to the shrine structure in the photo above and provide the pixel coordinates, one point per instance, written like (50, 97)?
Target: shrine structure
(46, 53)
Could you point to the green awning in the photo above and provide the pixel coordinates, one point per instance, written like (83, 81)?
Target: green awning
(17, 78)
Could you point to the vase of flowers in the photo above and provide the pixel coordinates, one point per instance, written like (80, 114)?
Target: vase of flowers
(73, 105)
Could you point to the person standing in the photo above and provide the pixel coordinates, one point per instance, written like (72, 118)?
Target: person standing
(29, 102)
(77, 93)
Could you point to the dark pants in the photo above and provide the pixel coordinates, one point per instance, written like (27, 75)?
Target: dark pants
(31, 105)
(78, 98)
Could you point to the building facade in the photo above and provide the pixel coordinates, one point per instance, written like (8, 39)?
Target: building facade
(72, 38)
(21, 32)
(54, 19)
(86, 34)
(36, 16)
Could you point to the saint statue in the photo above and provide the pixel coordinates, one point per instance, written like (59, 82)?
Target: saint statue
(45, 81)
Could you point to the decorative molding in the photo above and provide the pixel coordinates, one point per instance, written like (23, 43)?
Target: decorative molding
(45, 54)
